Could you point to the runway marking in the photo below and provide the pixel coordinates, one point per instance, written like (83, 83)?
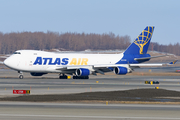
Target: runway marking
(102, 117)
(88, 105)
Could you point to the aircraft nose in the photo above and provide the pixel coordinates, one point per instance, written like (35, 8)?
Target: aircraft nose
(6, 62)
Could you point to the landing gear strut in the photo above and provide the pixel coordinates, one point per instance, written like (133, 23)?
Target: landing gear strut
(20, 74)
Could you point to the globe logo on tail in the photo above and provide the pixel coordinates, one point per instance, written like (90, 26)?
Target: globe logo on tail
(144, 38)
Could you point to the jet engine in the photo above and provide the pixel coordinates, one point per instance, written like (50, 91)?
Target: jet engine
(83, 72)
(37, 74)
(120, 70)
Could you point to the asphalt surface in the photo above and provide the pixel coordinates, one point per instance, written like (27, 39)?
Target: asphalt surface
(56, 86)
(76, 111)
(79, 111)
(50, 84)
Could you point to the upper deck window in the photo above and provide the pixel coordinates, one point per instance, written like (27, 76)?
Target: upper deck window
(16, 53)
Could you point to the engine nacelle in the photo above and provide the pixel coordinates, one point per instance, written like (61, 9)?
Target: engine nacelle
(120, 70)
(83, 72)
(37, 74)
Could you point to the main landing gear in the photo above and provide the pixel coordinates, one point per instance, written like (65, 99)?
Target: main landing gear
(80, 77)
(63, 76)
(20, 74)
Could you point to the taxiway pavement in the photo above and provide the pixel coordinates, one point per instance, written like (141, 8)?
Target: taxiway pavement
(75, 111)
(50, 84)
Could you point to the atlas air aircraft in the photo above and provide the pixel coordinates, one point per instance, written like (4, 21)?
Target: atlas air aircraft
(81, 66)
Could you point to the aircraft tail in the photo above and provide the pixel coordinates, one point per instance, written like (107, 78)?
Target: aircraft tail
(141, 43)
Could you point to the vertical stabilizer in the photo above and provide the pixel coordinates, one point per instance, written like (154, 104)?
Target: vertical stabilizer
(141, 43)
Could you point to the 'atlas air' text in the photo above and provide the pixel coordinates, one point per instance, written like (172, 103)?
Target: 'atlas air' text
(60, 61)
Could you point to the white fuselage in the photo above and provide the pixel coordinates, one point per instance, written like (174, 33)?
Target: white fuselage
(41, 61)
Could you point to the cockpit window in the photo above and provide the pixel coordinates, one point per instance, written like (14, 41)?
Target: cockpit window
(16, 53)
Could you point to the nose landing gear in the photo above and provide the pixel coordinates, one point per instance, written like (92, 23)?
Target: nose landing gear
(20, 74)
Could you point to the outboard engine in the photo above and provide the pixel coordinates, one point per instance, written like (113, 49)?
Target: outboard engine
(120, 70)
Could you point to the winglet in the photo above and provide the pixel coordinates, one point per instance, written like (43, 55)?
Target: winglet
(172, 63)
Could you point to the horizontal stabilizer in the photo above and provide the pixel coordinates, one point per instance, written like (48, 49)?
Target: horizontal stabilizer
(145, 58)
(145, 65)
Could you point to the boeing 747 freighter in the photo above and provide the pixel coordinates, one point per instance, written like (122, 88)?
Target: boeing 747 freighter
(81, 66)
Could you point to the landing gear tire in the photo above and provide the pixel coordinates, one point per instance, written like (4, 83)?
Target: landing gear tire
(63, 77)
(20, 76)
(80, 77)
(75, 77)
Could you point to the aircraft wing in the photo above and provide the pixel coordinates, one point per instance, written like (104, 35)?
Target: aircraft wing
(90, 66)
(101, 68)
(104, 66)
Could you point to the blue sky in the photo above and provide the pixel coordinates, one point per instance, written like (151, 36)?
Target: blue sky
(121, 17)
